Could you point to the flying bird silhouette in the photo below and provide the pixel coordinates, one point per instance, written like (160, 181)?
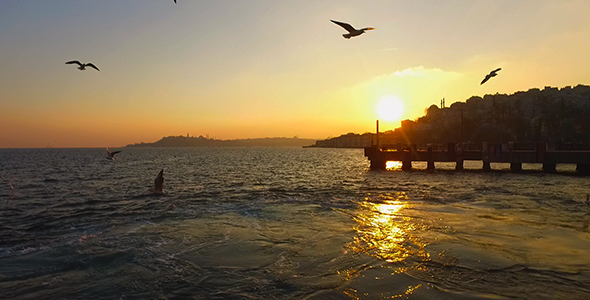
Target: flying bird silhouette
(111, 154)
(351, 30)
(82, 66)
(159, 183)
(492, 74)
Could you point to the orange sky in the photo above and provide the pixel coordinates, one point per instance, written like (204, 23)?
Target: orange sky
(246, 69)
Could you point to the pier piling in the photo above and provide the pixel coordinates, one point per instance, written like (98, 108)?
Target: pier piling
(378, 164)
(549, 167)
(459, 165)
(583, 169)
(486, 157)
(515, 167)
(407, 160)
(430, 157)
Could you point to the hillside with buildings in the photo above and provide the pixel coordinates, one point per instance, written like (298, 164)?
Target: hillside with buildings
(548, 115)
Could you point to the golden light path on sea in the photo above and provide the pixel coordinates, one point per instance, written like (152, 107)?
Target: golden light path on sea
(384, 232)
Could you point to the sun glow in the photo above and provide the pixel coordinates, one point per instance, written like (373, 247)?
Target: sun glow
(390, 108)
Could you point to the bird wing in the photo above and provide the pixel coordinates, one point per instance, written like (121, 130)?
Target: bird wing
(174, 1)
(92, 66)
(114, 152)
(159, 182)
(74, 62)
(109, 152)
(9, 183)
(485, 79)
(346, 26)
(496, 70)
(12, 188)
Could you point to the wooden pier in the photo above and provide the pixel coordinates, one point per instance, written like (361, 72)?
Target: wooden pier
(544, 153)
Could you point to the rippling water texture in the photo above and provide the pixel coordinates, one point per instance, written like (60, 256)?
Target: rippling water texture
(284, 223)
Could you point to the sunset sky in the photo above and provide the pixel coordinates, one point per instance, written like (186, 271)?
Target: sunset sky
(248, 69)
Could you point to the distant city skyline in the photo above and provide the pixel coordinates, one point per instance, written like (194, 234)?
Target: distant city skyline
(235, 69)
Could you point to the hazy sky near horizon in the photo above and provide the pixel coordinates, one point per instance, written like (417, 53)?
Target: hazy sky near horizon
(246, 69)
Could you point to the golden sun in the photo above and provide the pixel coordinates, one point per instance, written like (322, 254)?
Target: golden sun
(390, 108)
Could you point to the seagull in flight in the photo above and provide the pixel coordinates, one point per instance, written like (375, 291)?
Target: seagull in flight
(82, 66)
(492, 74)
(351, 30)
(159, 183)
(111, 154)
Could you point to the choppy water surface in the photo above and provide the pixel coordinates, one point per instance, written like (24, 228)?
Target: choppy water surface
(284, 223)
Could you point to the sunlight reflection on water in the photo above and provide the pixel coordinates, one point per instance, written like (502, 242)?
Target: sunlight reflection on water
(382, 230)
(393, 166)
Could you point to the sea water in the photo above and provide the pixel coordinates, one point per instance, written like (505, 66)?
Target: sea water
(285, 223)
